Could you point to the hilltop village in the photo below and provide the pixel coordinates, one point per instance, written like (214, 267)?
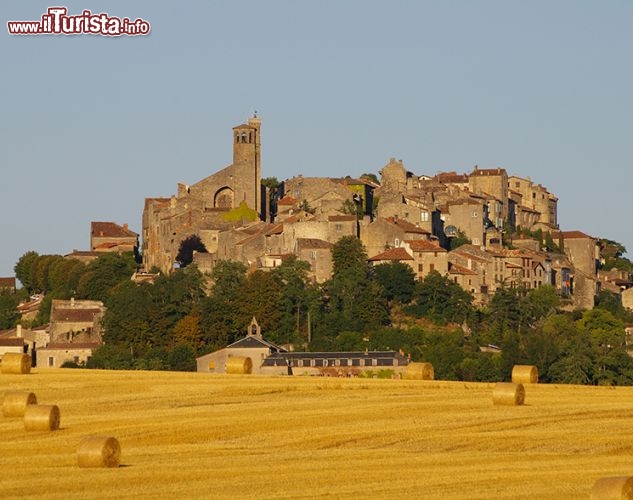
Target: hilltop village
(403, 217)
(484, 230)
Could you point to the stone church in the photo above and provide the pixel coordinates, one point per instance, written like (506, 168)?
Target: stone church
(228, 198)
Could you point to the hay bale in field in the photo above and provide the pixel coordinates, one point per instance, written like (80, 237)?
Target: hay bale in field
(239, 365)
(99, 451)
(524, 374)
(16, 363)
(419, 371)
(41, 418)
(608, 488)
(14, 403)
(507, 393)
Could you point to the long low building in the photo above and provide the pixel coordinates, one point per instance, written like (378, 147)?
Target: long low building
(259, 356)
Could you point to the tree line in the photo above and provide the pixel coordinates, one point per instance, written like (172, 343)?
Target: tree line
(165, 325)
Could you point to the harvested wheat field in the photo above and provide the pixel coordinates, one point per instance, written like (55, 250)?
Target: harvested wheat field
(189, 435)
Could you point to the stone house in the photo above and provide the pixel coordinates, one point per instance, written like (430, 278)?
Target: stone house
(8, 284)
(384, 233)
(399, 254)
(538, 198)
(428, 256)
(493, 181)
(583, 252)
(11, 344)
(76, 321)
(318, 253)
(55, 354)
(464, 277)
(110, 237)
(467, 215)
(85, 256)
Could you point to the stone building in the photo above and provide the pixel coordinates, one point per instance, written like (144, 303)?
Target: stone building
(76, 321)
(538, 198)
(231, 197)
(110, 237)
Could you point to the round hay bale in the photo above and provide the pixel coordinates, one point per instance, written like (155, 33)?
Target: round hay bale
(608, 488)
(239, 365)
(16, 363)
(507, 393)
(524, 374)
(15, 402)
(419, 371)
(99, 451)
(41, 418)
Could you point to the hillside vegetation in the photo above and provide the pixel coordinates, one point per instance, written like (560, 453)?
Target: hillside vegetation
(188, 435)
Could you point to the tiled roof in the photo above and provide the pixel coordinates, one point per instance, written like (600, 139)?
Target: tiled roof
(424, 246)
(313, 243)
(457, 269)
(11, 342)
(451, 177)
(67, 346)
(572, 235)
(245, 125)
(7, 282)
(480, 172)
(407, 226)
(110, 230)
(287, 200)
(392, 254)
(75, 315)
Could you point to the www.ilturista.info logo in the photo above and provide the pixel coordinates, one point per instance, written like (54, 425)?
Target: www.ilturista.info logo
(56, 21)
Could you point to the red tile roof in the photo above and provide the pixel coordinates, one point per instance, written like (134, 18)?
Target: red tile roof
(7, 282)
(75, 315)
(457, 269)
(110, 230)
(487, 171)
(573, 235)
(287, 200)
(451, 177)
(424, 246)
(11, 342)
(392, 254)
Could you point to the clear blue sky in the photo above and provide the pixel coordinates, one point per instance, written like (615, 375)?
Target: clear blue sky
(91, 125)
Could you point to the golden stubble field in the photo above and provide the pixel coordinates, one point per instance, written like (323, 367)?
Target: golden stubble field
(189, 435)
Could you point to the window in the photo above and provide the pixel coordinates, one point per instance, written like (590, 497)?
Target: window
(338, 227)
(420, 268)
(396, 242)
(474, 213)
(431, 268)
(424, 216)
(51, 361)
(517, 184)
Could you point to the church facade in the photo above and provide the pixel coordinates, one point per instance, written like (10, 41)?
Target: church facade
(208, 206)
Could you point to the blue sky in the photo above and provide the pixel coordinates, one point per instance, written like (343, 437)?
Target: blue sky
(92, 125)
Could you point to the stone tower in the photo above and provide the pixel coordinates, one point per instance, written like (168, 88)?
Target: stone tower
(247, 164)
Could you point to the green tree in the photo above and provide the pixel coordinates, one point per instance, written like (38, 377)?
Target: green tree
(111, 357)
(24, 269)
(397, 280)
(9, 314)
(104, 274)
(186, 249)
(442, 300)
(352, 298)
(459, 239)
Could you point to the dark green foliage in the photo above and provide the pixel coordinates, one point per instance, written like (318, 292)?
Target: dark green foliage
(187, 247)
(9, 314)
(111, 357)
(442, 300)
(105, 273)
(397, 280)
(24, 270)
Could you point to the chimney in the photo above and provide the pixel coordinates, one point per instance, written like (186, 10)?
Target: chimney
(18, 331)
(125, 226)
(72, 302)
